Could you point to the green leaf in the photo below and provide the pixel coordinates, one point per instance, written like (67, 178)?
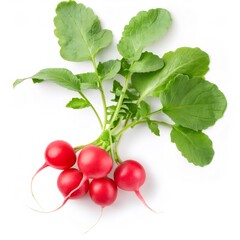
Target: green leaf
(59, 76)
(109, 69)
(116, 90)
(143, 29)
(193, 103)
(116, 122)
(18, 81)
(111, 109)
(124, 71)
(132, 107)
(132, 94)
(117, 87)
(153, 126)
(105, 136)
(88, 80)
(185, 60)
(79, 32)
(78, 103)
(35, 80)
(144, 109)
(148, 62)
(196, 147)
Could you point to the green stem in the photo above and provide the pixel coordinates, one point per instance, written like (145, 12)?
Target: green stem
(93, 108)
(162, 123)
(102, 94)
(127, 119)
(156, 112)
(104, 105)
(111, 146)
(78, 148)
(134, 123)
(120, 101)
(117, 157)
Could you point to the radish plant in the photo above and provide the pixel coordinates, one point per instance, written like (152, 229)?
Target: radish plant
(176, 79)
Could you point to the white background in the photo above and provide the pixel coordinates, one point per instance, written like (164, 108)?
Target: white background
(196, 203)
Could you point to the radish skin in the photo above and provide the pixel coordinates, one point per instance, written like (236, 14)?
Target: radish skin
(130, 176)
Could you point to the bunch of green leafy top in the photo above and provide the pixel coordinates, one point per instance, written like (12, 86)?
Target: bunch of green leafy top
(176, 79)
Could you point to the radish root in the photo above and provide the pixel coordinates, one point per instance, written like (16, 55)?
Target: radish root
(31, 184)
(140, 197)
(98, 220)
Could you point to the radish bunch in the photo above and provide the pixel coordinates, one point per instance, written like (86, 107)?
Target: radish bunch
(93, 164)
(187, 104)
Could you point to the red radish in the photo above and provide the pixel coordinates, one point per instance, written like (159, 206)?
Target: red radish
(68, 180)
(94, 162)
(130, 176)
(58, 154)
(103, 191)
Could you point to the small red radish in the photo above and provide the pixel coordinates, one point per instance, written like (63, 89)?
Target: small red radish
(130, 176)
(58, 154)
(103, 191)
(94, 162)
(68, 180)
